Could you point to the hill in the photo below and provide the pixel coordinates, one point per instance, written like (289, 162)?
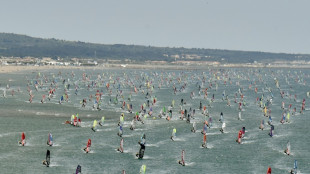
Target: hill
(22, 46)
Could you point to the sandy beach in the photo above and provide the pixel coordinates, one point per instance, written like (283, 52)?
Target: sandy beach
(12, 68)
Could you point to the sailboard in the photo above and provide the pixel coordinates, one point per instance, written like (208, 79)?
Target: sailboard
(46, 162)
(182, 162)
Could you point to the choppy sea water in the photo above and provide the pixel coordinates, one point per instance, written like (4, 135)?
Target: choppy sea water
(256, 152)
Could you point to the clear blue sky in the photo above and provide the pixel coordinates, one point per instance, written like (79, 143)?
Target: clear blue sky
(261, 25)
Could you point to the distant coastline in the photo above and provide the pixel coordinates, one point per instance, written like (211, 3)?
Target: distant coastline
(149, 66)
(22, 49)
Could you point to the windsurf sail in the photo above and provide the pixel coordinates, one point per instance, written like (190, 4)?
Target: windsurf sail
(221, 117)
(23, 139)
(121, 119)
(61, 99)
(262, 125)
(271, 130)
(94, 125)
(288, 148)
(23, 136)
(174, 131)
(78, 169)
(210, 121)
(101, 121)
(204, 140)
(269, 170)
(50, 139)
(239, 136)
(141, 152)
(87, 148)
(288, 117)
(194, 127)
(47, 159)
(204, 131)
(132, 124)
(72, 119)
(151, 111)
(142, 139)
(88, 143)
(120, 131)
(142, 142)
(182, 162)
(243, 131)
(121, 146)
(283, 118)
(75, 120)
(270, 120)
(143, 169)
(295, 166)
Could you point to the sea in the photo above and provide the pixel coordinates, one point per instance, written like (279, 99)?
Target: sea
(223, 155)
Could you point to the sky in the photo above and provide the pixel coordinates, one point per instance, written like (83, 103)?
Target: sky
(261, 25)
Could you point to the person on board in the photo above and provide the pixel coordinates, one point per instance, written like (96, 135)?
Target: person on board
(87, 148)
(50, 140)
(204, 144)
(142, 143)
(121, 149)
(239, 137)
(23, 139)
(182, 162)
(46, 162)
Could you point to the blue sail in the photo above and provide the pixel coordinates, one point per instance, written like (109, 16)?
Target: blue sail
(295, 165)
(51, 137)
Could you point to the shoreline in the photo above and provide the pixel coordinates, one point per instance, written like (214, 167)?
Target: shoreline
(20, 68)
